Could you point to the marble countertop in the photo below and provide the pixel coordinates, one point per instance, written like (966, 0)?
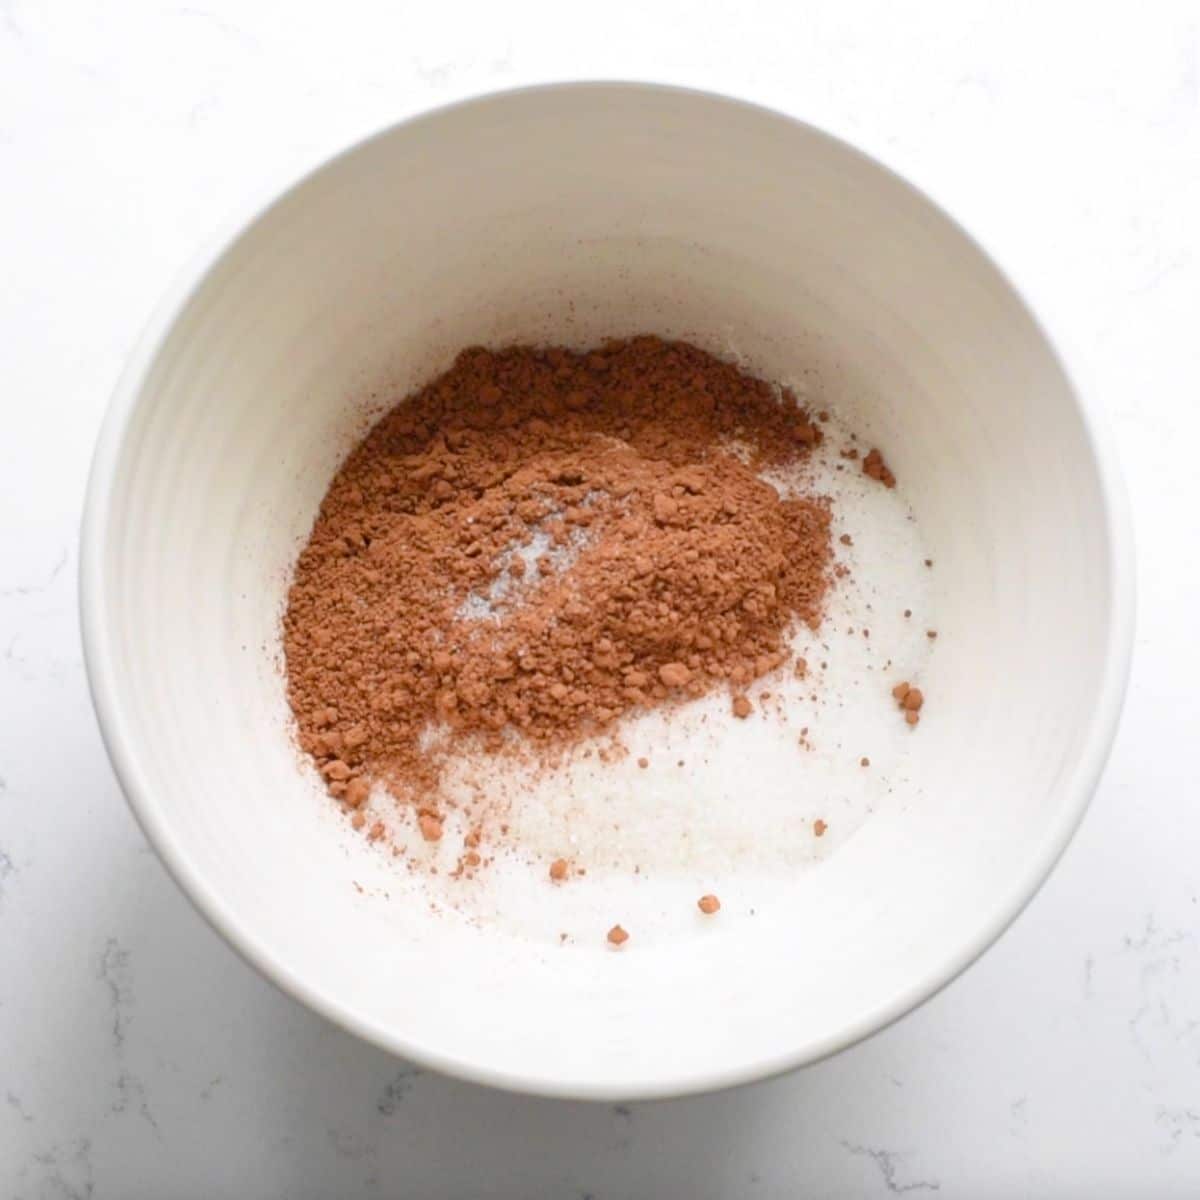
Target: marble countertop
(140, 1057)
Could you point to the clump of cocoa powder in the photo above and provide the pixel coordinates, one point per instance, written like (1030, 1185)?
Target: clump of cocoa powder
(538, 543)
(874, 466)
(910, 701)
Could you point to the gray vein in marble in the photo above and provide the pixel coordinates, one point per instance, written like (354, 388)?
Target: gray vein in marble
(1018, 1113)
(624, 1127)
(34, 589)
(1185, 1031)
(1164, 956)
(55, 667)
(114, 973)
(8, 868)
(886, 1161)
(1179, 1124)
(14, 1102)
(131, 1096)
(8, 18)
(394, 1093)
(436, 76)
(10, 651)
(117, 976)
(1134, 1023)
(64, 1172)
(346, 1145)
(1153, 938)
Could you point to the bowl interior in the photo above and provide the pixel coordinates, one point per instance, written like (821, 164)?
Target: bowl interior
(567, 215)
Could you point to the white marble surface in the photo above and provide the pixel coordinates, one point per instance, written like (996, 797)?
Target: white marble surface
(140, 1057)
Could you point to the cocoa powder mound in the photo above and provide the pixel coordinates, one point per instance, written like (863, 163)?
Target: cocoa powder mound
(538, 543)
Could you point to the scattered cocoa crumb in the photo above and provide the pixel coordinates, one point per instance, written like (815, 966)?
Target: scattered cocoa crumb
(822, 416)
(913, 699)
(708, 904)
(846, 540)
(929, 562)
(801, 668)
(901, 690)
(931, 634)
(912, 716)
(874, 466)
(819, 827)
(558, 869)
(430, 826)
(908, 612)
(358, 820)
(643, 762)
(617, 936)
(742, 707)
(864, 761)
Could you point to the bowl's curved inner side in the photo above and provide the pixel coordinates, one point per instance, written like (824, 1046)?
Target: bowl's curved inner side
(568, 216)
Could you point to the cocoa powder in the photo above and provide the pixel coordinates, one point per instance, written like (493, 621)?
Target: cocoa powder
(539, 543)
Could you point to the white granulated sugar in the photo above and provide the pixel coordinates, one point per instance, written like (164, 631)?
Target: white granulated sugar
(724, 805)
(506, 590)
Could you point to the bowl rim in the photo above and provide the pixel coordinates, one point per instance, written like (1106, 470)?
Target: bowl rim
(105, 688)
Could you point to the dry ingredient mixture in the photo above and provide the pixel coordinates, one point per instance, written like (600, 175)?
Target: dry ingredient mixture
(537, 544)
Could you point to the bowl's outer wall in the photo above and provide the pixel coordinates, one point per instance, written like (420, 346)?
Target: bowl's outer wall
(569, 213)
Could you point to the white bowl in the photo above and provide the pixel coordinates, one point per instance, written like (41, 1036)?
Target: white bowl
(568, 213)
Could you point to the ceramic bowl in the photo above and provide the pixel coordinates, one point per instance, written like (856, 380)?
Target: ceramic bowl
(566, 214)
